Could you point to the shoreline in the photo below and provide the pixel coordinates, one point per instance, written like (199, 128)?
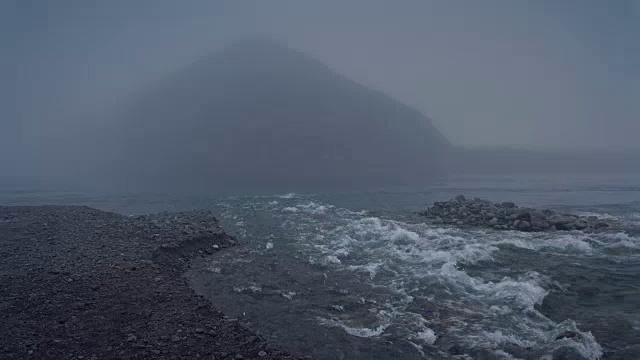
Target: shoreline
(80, 283)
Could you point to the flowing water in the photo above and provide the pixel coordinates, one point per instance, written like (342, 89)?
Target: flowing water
(359, 275)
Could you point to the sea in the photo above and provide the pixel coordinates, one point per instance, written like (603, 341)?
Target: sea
(360, 275)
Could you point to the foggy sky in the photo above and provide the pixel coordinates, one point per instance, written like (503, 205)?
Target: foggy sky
(532, 74)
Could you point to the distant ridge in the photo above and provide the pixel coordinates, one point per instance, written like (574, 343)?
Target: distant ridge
(259, 114)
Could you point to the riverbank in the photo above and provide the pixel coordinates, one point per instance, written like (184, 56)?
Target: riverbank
(79, 283)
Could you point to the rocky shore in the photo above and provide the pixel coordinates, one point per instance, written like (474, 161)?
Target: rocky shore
(79, 283)
(477, 212)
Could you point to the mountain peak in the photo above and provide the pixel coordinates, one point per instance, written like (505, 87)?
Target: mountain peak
(264, 114)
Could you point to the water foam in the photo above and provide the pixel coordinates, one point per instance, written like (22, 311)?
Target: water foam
(290, 195)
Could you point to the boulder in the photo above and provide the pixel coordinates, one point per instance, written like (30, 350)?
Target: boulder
(524, 215)
(438, 220)
(536, 214)
(601, 225)
(579, 225)
(559, 220)
(460, 198)
(524, 226)
(540, 224)
(493, 222)
(508, 205)
(567, 227)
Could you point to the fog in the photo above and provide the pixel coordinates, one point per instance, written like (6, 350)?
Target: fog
(534, 75)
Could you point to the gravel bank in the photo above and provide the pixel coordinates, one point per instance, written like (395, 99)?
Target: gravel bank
(461, 211)
(79, 283)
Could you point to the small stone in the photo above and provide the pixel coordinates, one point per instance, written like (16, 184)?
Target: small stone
(460, 198)
(239, 356)
(131, 338)
(508, 205)
(215, 247)
(155, 351)
(262, 353)
(199, 331)
(175, 338)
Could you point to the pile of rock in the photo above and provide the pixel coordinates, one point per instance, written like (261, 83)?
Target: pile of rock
(507, 216)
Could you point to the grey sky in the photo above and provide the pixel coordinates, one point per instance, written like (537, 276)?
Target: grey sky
(532, 74)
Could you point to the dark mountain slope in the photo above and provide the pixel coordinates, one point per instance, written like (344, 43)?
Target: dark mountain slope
(259, 114)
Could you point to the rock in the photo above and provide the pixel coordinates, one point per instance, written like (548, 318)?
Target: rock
(558, 220)
(175, 338)
(524, 225)
(539, 224)
(567, 227)
(524, 215)
(262, 353)
(477, 212)
(536, 214)
(580, 225)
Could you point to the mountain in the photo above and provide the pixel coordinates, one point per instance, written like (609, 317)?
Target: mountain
(261, 115)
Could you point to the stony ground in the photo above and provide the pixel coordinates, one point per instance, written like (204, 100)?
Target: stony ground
(79, 283)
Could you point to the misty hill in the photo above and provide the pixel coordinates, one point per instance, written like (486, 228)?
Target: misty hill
(259, 114)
